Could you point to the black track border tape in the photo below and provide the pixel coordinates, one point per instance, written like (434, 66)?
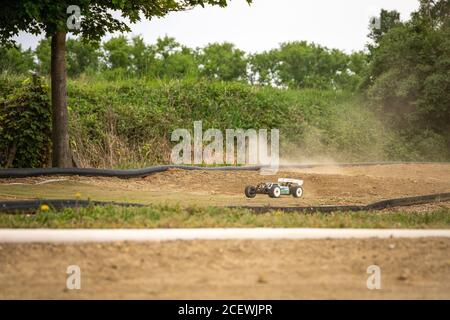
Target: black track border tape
(379, 205)
(136, 173)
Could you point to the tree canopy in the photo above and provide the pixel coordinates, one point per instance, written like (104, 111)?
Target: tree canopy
(409, 74)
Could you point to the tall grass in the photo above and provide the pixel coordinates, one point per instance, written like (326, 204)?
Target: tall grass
(128, 122)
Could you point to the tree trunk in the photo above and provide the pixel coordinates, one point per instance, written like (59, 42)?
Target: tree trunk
(61, 156)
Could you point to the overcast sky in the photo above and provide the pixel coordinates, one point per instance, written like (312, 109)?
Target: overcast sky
(341, 24)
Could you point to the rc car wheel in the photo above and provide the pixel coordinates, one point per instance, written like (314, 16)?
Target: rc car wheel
(296, 192)
(250, 191)
(275, 192)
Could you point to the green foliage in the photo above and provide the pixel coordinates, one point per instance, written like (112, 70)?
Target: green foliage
(25, 126)
(409, 73)
(388, 20)
(81, 57)
(14, 60)
(8, 83)
(178, 65)
(136, 117)
(223, 62)
(129, 122)
(263, 68)
(51, 18)
(304, 65)
(143, 56)
(308, 66)
(43, 54)
(172, 60)
(293, 65)
(118, 53)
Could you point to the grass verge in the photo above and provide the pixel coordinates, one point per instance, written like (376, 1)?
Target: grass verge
(169, 216)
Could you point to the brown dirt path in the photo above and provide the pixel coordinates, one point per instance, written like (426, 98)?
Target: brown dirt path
(323, 185)
(297, 269)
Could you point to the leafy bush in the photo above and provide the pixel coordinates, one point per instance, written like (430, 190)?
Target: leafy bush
(25, 126)
(134, 119)
(409, 79)
(128, 123)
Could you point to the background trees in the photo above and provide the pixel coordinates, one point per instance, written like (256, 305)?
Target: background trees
(118, 53)
(300, 65)
(14, 60)
(81, 57)
(409, 71)
(173, 60)
(296, 64)
(223, 61)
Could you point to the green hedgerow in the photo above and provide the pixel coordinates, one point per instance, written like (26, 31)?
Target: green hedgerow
(25, 126)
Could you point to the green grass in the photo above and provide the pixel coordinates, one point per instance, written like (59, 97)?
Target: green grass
(169, 216)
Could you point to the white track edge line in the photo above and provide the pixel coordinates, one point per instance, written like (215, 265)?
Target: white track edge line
(142, 235)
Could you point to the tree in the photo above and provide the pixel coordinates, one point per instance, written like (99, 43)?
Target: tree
(143, 56)
(15, 60)
(118, 53)
(409, 73)
(180, 64)
(173, 60)
(307, 65)
(166, 46)
(43, 54)
(264, 68)
(387, 20)
(223, 62)
(81, 56)
(51, 17)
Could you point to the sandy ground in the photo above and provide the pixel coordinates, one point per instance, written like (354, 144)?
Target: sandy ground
(323, 185)
(284, 269)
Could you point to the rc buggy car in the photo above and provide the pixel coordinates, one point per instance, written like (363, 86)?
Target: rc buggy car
(284, 186)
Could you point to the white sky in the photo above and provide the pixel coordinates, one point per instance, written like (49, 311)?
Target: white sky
(341, 24)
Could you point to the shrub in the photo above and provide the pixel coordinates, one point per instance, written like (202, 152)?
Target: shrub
(25, 126)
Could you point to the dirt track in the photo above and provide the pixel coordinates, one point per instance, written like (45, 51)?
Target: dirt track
(327, 185)
(418, 268)
(294, 269)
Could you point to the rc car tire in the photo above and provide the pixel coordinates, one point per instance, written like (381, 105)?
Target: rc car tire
(250, 191)
(275, 192)
(296, 192)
